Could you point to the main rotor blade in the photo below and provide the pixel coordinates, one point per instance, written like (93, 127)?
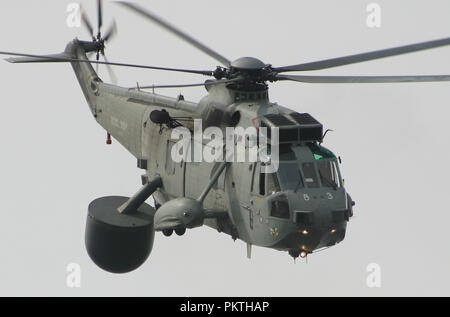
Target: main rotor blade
(364, 79)
(353, 59)
(176, 31)
(28, 58)
(64, 58)
(207, 83)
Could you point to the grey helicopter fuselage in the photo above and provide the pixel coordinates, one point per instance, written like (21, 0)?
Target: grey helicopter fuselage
(295, 209)
(300, 206)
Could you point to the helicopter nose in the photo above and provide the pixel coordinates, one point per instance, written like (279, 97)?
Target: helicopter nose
(307, 241)
(317, 231)
(318, 238)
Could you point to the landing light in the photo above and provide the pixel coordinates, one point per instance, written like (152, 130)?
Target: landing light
(303, 254)
(333, 231)
(305, 232)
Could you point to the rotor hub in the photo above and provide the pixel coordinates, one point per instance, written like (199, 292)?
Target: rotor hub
(251, 70)
(248, 63)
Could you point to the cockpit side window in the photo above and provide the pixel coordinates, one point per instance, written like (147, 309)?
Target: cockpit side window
(258, 181)
(273, 185)
(310, 175)
(280, 207)
(328, 173)
(264, 183)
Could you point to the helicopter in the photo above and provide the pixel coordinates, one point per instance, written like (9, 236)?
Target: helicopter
(301, 208)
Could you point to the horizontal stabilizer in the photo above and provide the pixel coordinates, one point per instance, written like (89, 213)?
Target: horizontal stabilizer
(54, 58)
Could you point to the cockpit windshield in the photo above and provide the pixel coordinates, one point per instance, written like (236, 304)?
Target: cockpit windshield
(290, 176)
(329, 176)
(326, 165)
(293, 174)
(309, 172)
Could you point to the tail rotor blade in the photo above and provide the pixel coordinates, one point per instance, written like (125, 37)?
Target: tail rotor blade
(86, 22)
(112, 31)
(111, 72)
(100, 15)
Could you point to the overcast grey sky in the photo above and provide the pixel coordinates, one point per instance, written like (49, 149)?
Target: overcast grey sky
(393, 138)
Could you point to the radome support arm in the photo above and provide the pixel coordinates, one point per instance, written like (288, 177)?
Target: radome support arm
(213, 181)
(132, 204)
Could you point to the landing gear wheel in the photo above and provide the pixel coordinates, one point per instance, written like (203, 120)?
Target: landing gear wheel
(180, 231)
(167, 232)
(118, 243)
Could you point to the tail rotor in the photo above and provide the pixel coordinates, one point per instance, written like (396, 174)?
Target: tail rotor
(99, 40)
